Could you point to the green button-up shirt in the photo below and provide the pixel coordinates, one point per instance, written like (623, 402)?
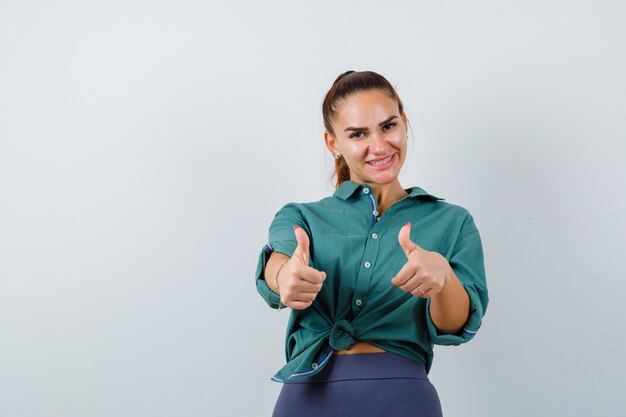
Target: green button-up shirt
(360, 253)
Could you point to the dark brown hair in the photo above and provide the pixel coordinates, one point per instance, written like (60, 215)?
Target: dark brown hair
(346, 84)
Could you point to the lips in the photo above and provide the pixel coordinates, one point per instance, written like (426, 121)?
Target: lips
(381, 161)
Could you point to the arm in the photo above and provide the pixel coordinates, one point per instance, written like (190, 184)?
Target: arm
(455, 290)
(450, 308)
(468, 277)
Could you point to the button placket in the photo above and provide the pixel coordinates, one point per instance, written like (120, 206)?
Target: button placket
(368, 262)
(373, 204)
(370, 255)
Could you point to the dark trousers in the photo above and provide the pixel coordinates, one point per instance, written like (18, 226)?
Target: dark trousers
(374, 384)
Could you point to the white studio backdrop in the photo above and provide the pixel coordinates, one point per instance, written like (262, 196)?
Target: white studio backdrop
(146, 145)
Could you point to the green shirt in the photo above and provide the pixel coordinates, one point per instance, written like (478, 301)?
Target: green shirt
(360, 253)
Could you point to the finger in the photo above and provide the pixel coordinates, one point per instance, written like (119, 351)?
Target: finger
(428, 293)
(306, 286)
(430, 289)
(305, 296)
(404, 274)
(301, 296)
(299, 305)
(412, 284)
(302, 250)
(404, 238)
(291, 288)
(419, 290)
(312, 275)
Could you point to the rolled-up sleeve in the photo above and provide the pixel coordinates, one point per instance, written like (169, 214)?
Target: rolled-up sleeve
(467, 262)
(281, 238)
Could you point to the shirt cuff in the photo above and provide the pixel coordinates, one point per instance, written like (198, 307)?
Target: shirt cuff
(271, 298)
(471, 326)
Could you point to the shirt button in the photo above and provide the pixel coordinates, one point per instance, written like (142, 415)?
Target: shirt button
(314, 365)
(367, 264)
(358, 302)
(375, 213)
(366, 190)
(374, 235)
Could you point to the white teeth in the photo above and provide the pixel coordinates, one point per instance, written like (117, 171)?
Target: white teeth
(384, 161)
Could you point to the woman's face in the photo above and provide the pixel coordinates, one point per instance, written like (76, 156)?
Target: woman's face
(369, 128)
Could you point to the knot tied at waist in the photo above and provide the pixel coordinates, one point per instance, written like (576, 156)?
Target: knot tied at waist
(341, 335)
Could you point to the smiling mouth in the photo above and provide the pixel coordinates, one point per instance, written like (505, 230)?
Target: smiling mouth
(381, 161)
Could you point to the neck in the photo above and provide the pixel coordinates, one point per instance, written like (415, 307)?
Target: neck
(388, 194)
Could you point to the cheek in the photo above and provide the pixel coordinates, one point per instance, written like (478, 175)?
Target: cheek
(399, 138)
(400, 144)
(356, 152)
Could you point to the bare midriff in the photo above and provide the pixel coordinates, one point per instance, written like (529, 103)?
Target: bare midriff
(359, 347)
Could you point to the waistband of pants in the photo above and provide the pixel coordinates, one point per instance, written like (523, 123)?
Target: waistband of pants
(374, 365)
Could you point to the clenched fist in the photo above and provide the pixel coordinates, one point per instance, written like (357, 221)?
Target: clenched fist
(298, 282)
(425, 272)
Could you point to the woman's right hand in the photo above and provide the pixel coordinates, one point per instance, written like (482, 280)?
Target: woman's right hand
(298, 282)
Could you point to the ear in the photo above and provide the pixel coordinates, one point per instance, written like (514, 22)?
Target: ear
(331, 143)
(404, 120)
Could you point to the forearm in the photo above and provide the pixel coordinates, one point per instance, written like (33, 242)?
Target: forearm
(273, 263)
(449, 308)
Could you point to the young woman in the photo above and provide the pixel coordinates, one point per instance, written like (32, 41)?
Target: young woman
(375, 274)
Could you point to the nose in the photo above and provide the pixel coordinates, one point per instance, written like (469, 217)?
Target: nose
(378, 144)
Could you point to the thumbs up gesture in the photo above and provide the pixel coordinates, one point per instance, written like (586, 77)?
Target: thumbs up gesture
(425, 272)
(298, 282)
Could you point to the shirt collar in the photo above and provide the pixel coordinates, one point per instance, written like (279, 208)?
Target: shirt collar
(347, 189)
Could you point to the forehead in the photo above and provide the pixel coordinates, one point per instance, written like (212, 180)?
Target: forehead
(366, 108)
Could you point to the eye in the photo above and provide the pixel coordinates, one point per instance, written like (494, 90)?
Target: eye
(390, 124)
(354, 134)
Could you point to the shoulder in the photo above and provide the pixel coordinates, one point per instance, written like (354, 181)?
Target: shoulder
(459, 213)
(460, 216)
(454, 209)
(423, 197)
(328, 201)
(443, 210)
(305, 209)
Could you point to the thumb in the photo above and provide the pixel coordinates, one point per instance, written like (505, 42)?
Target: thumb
(404, 238)
(302, 250)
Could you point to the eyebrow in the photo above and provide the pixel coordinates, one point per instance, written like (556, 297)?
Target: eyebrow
(365, 128)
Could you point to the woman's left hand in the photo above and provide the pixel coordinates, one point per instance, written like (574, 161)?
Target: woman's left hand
(425, 272)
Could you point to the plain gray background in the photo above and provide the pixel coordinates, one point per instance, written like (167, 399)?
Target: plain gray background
(145, 147)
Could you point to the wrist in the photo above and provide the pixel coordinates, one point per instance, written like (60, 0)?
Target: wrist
(280, 267)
